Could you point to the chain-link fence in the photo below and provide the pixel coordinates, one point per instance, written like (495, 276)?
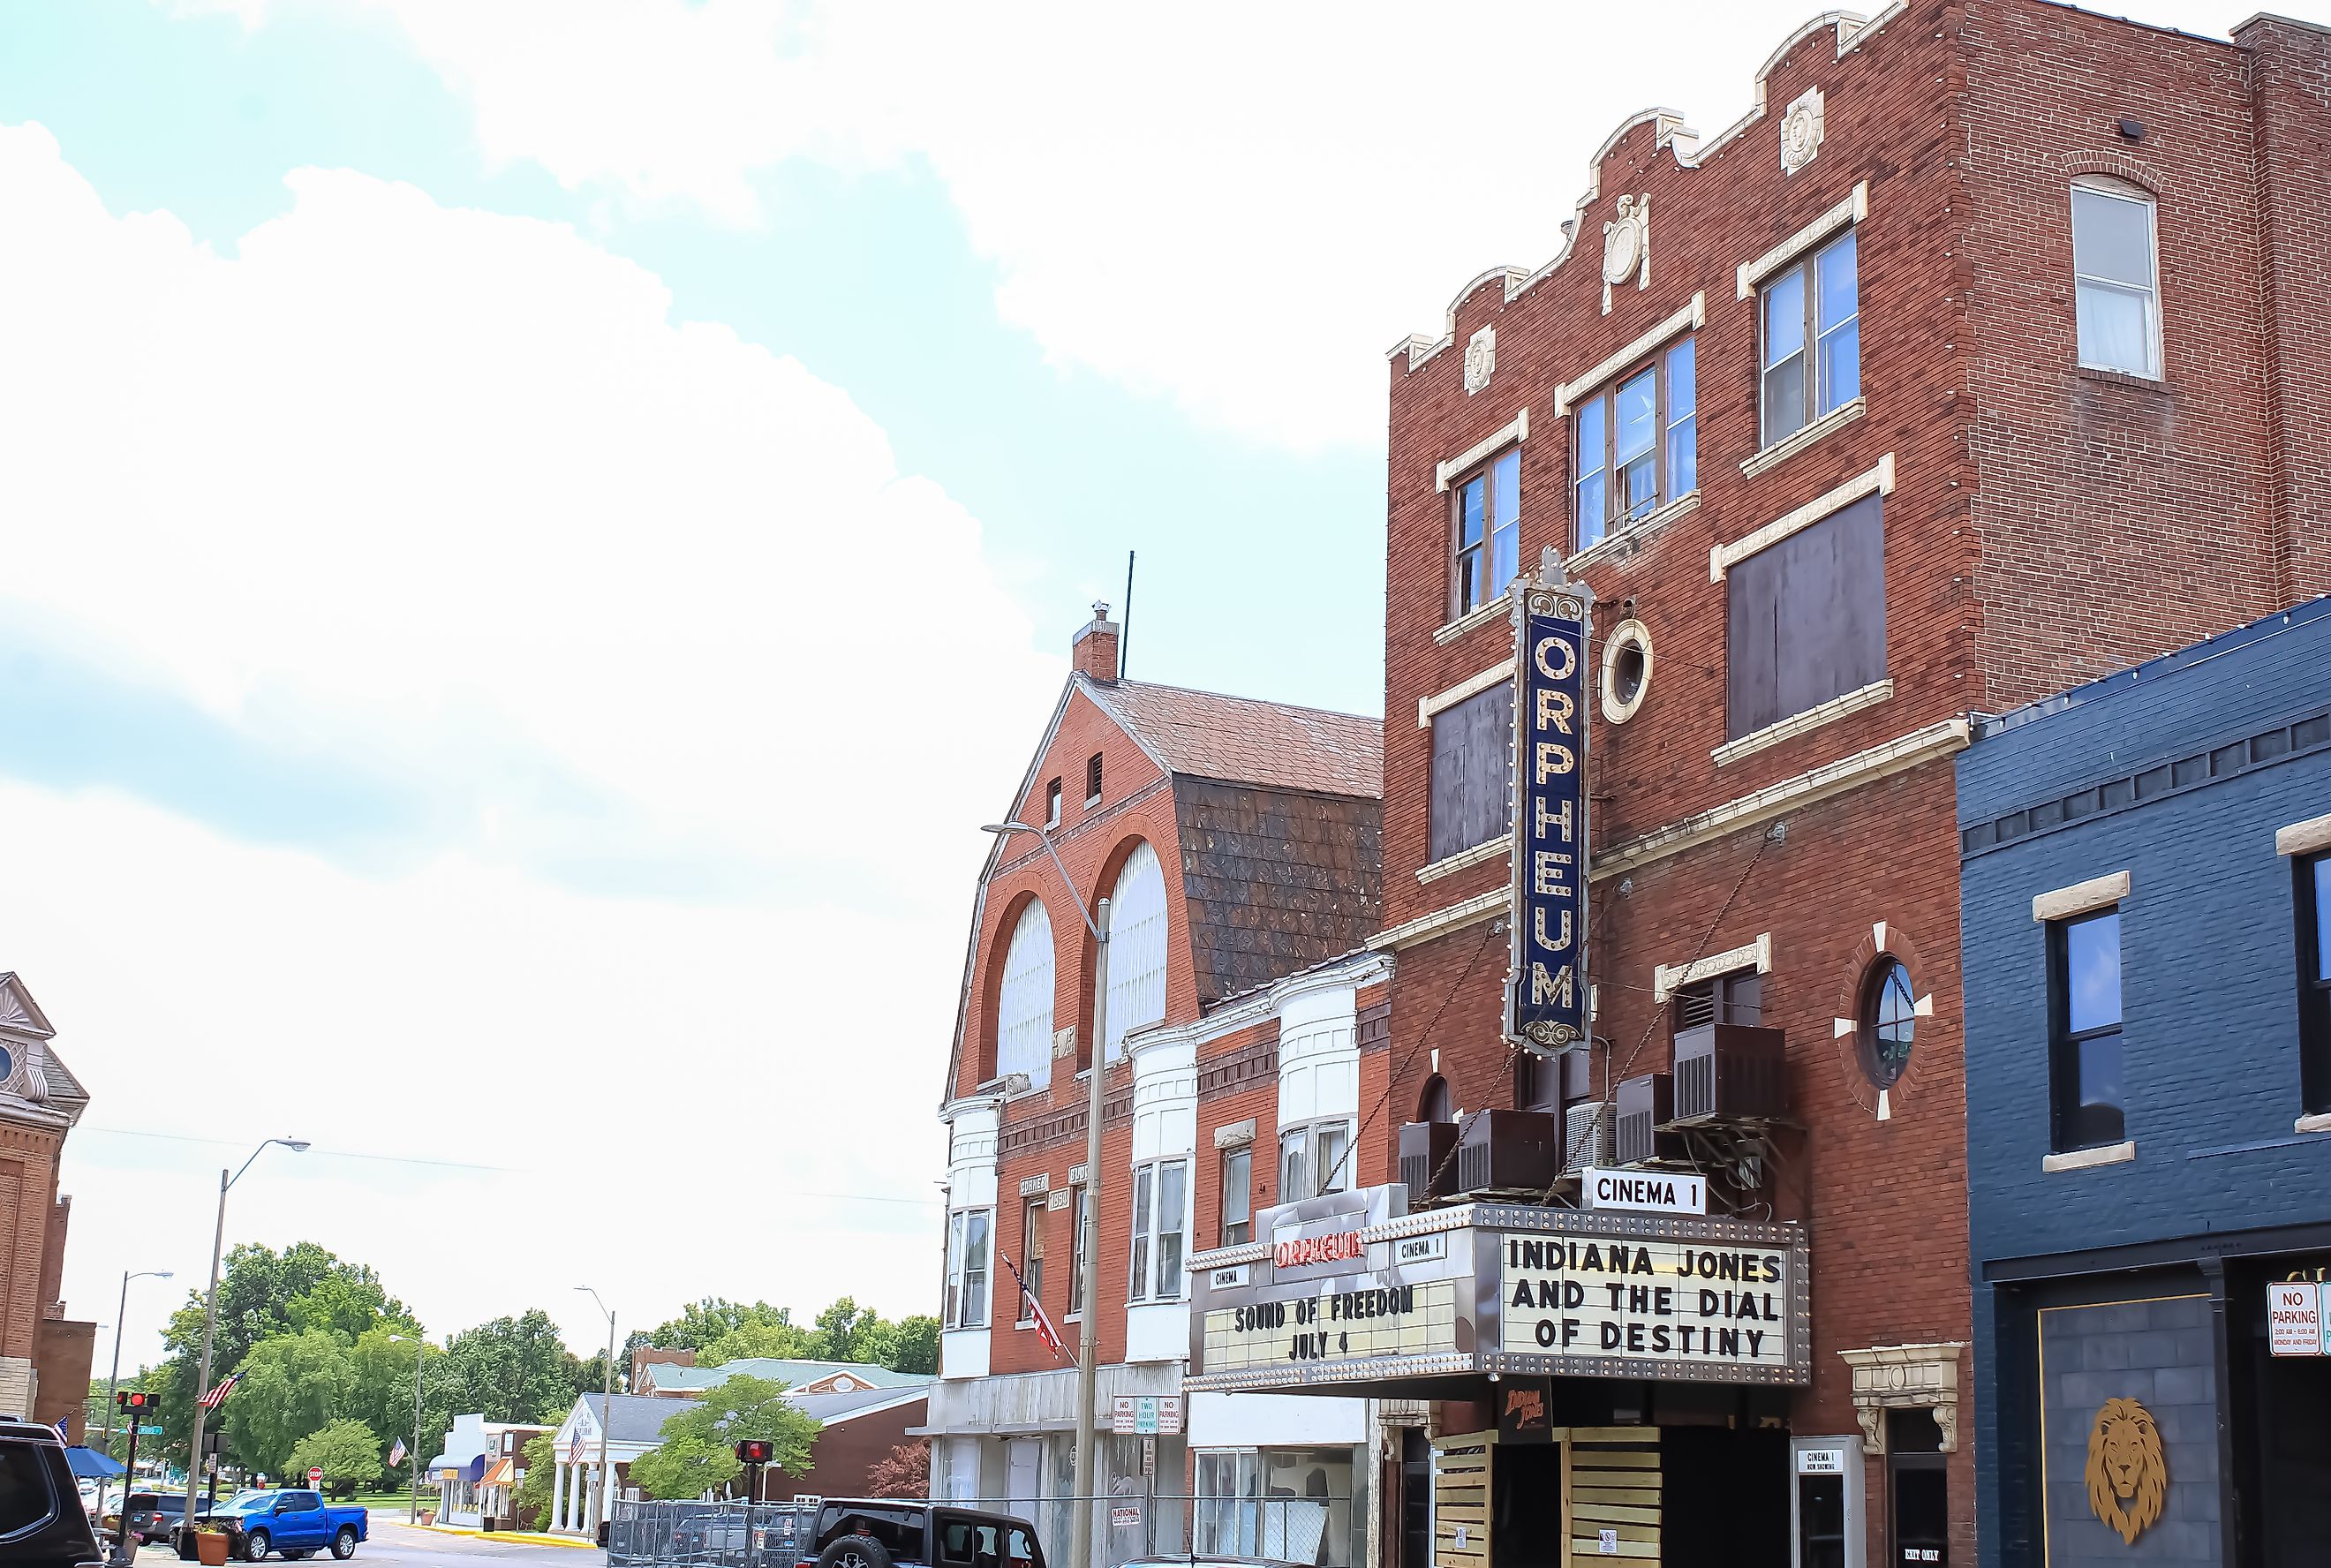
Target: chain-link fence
(651, 1534)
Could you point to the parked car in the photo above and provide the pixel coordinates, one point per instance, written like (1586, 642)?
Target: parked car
(297, 1523)
(884, 1532)
(149, 1515)
(39, 1528)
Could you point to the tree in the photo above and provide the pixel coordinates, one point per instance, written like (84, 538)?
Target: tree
(258, 1290)
(293, 1384)
(904, 1472)
(697, 1442)
(534, 1496)
(916, 1346)
(780, 1341)
(848, 1332)
(382, 1394)
(513, 1368)
(346, 1451)
(682, 1468)
(700, 1323)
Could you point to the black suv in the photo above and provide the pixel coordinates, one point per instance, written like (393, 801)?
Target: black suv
(42, 1524)
(882, 1532)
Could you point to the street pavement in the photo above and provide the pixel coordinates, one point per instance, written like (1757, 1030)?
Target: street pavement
(398, 1544)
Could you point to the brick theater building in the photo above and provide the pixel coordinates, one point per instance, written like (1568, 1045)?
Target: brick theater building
(44, 1357)
(1236, 842)
(1978, 360)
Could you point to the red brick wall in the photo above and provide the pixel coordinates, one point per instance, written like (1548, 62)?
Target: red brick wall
(843, 1456)
(28, 1186)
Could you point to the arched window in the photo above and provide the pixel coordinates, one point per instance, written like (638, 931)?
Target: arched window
(1023, 1006)
(1136, 947)
(1433, 1105)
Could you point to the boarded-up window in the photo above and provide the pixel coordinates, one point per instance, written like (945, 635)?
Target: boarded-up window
(1805, 620)
(1472, 782)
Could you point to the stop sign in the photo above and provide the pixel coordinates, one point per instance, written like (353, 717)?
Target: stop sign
(314, 1476)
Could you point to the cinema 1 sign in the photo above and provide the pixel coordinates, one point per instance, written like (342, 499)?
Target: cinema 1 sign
(1546, 1001)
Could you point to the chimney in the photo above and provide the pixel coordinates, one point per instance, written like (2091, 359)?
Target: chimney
(1094, 650)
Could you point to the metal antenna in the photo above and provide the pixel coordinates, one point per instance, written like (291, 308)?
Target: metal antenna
(1124, 626)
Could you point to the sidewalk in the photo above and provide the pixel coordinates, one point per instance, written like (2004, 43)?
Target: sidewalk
(520, 1537)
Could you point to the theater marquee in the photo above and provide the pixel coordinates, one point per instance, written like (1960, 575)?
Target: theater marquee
(1496, 1288)
(1546, 999)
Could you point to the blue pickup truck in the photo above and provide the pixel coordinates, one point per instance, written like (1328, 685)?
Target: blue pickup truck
(298, 1523)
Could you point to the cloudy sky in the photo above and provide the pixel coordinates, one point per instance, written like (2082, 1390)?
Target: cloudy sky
(536, 530)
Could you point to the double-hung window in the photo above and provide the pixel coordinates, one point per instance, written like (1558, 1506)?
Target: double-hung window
(2116, 290)
(966, 1280)
(1160, 1190)
(1813, 339)
(2087, 1090)
(1315, 1158)
(2314, 890)
(1486, 529)
(1031, 1256)
(1080, 1246)
(1238, 1196)
(1636, 445)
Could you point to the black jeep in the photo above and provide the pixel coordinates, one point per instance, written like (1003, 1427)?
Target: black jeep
(42, 1524)
(890, 1532)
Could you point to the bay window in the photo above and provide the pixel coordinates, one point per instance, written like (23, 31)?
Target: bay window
(1160, 1194)
(966, 1273)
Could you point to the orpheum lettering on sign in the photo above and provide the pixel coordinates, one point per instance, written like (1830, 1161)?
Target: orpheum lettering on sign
(1545, 988)
(1302, 1251)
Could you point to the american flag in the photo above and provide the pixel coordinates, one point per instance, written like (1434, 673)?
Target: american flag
(396, 1452)
(574, 1450)
(1046, 1334)
(217, 1396)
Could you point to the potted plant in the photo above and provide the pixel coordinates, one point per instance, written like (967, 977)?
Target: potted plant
(210, 1545)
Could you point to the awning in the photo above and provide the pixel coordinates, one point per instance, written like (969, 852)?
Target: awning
(502, 1472)
(90, 1464)
(475, 1468)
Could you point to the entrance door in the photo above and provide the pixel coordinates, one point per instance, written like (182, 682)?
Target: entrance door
(1415, 1498)
(1917, 1490)
(1024, 1473)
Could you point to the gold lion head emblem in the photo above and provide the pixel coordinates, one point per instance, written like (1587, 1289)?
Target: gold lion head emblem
(2129, 1478)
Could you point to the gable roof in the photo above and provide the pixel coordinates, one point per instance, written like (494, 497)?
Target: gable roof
(1246, 740)
(794, 1374)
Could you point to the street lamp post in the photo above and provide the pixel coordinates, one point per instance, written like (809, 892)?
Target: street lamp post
(113, 1383)
(606, 1413)
(210, 1318)
(1088, 1285)
(420, 1347)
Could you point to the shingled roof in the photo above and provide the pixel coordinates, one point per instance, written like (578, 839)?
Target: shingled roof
(1245, 740)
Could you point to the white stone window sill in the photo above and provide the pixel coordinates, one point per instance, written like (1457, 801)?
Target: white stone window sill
(1495, 610)
(2318, 1122)
(1789, 445)
(2120, 1154)
(1629, 537)
(1449, 865)
(1796, 724)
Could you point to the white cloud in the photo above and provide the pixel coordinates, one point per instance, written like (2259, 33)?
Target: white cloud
(1241, 206)
(449, 498)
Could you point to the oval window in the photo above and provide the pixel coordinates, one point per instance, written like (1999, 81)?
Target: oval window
(1626, 669)
(1888, 1017)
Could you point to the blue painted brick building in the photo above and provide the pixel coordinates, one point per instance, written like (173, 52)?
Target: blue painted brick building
(2149, 1070)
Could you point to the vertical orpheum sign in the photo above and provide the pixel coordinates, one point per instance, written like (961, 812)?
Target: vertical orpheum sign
(1547, 1004)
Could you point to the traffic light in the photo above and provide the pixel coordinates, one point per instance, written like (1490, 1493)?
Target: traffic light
(133, 1400)
(756, 1452)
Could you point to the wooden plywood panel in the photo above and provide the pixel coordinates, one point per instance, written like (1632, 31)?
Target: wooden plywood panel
(1613, 1496)
(1460, 1499)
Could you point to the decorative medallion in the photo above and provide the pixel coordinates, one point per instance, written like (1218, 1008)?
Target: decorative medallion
(2127, 1476)
(1627, 246)
(1800, 131)
(1480, 359)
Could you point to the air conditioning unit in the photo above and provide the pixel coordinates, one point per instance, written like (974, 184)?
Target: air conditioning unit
(1730, 1072)
(1645, 1105)
(1586, 1136)
(1426, 1167)
(1508, 1151)
(1578, 1075)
